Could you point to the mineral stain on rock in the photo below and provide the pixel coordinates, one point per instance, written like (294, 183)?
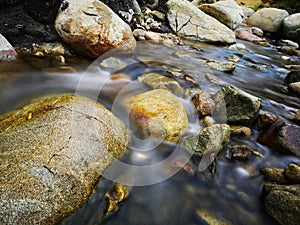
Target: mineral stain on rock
(53, 152)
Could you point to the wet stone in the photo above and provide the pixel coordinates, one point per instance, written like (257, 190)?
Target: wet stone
(53, 152)
(292, 173)
(236, 106)
(157, 113)
(275, 175)
(221, 66)
(282, 137)
(158, 81)
(204, 105)
(240, 152)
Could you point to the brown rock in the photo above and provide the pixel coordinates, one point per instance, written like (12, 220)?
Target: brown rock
(292, 173)
(282, 137)
(91, 28)
(294, 88)
(203, 104)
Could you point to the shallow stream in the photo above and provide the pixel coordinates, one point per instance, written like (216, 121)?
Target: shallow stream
(232, 193)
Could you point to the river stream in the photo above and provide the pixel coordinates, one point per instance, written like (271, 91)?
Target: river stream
(232, 193)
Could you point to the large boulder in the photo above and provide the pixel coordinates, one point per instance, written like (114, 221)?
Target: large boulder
(190, 22)
(268, 19)
(291, 27)
(91, 28)
(53, 152)
(227, 12)
(159, 114)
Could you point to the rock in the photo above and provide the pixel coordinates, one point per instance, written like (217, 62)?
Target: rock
(91, 28)
(52, 154)
(246, 35)
(268, 19)
(207, 143)
(210, 218)
(292, 77)
(240, 152)
(157, 81)
(294, 88)
(7, 52)
(190, 22)
(282, 137)
(291, 27)
(221, 66)
(266, 119)
(282, 202)
(292, 173)
(241, 130)
(227, 12)
(165, 38)
(159, 114)
(257, 31)
(296, 117)
(236, 106)
(239, 47)
(288, 43)
(275, 175)
(204, 105)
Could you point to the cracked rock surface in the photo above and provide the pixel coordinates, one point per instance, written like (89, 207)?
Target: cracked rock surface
(53, 152)
(190, 22)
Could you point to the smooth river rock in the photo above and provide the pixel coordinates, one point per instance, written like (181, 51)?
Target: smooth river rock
(268, 19)
(91, 28)
(157, 113)
(190, 22)
(53, 152)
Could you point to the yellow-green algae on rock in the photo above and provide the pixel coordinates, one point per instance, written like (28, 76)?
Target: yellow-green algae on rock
(52, 153)
(159, 114)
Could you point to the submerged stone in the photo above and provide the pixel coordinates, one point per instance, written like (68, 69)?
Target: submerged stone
(159, 114)
(53, 152)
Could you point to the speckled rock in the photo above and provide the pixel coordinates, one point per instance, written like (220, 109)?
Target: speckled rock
(236, 106)
(52, 154)
(207, 143)
(159, 114)
(221, 66)
(91, 28)
(282, 137)
(190, 22)
(268, 19)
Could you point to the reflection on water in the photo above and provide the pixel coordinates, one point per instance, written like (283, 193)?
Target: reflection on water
(233, 193)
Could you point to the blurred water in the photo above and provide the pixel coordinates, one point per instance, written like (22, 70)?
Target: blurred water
(233, 192)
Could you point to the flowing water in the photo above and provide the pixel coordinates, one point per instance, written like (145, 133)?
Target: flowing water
(232, 193)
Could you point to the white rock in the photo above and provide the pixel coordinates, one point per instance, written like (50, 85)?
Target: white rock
(268, 19)
(190, 22)
(291, 27)
(91, 28)
(227, 12)
(7, 52)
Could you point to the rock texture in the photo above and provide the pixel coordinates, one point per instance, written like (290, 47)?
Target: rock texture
(227, 12)
(281, 193)
(91, 28)
(236, 106)
(190, 22)
(7, 52)
(268, 19)
(282, 137)
(52, 154)
(159, 114)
